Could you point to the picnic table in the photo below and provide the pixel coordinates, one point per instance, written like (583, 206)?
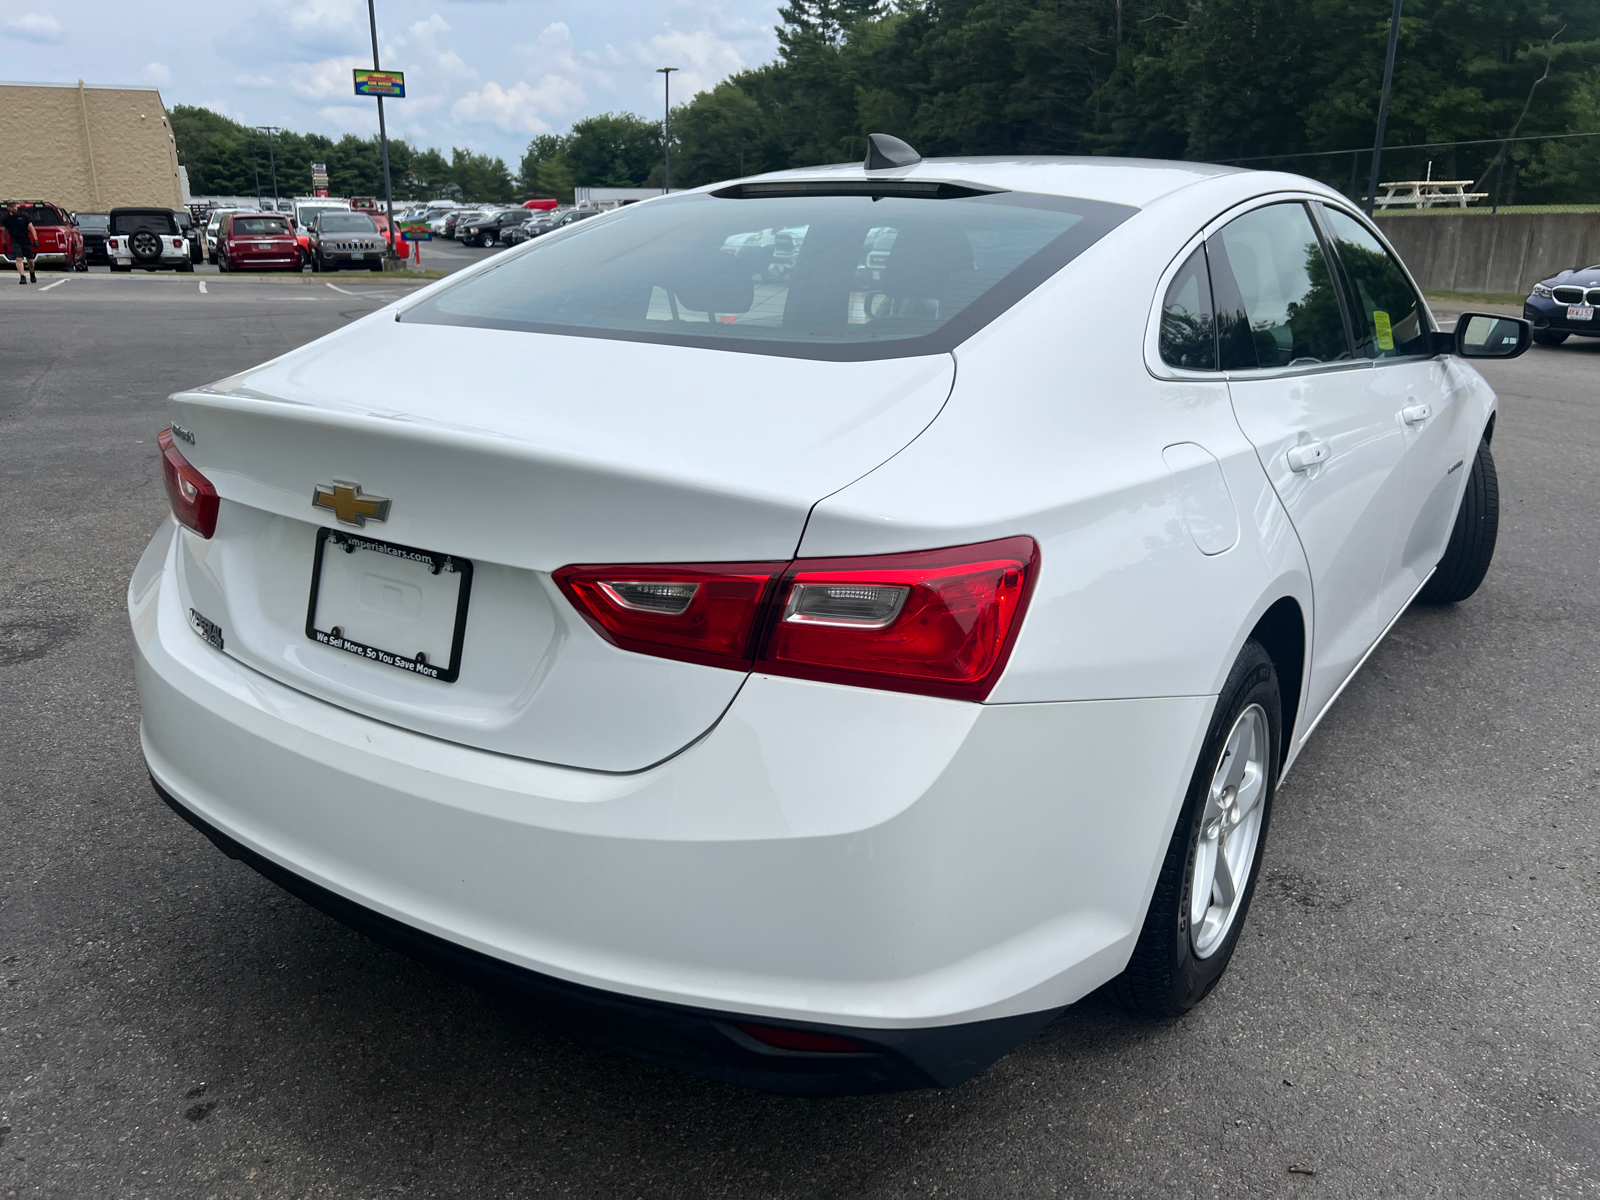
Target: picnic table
(1425, 193)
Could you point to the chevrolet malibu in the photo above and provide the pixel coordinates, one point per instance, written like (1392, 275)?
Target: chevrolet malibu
(818, 682)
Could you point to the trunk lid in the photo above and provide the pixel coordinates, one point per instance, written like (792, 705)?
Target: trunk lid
(523, 453)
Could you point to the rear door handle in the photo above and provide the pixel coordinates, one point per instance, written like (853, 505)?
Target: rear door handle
(1308, 455)
(1416, 414)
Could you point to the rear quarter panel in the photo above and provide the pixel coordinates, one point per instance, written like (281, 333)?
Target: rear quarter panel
(1055, 428)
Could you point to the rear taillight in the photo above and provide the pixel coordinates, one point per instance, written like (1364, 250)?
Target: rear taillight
(112, 243)
(194, 500)
(937, 622)
(698, 612)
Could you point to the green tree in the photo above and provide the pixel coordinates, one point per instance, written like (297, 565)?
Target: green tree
(613, 150)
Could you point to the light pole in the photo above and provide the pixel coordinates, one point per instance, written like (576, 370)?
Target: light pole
(269, 130)
(666, 129)
(383, 132)
(1383, 106)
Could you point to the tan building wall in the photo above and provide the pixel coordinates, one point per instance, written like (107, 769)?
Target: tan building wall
(88, 149)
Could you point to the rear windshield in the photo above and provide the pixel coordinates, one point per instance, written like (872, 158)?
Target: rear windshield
(261, 226)
(94, 221)
(808, 275)
(346, 223)
(154, 222)
(38, 214)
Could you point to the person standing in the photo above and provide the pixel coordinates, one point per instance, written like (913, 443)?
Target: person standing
(20, 230)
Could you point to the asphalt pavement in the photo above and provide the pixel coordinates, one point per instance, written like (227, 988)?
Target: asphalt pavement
(1411, 1012)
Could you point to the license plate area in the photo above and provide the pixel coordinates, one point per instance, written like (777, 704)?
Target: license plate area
(1580, 312)
(395, 605)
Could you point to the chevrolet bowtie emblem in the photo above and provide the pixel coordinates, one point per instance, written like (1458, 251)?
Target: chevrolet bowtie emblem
(347, 503)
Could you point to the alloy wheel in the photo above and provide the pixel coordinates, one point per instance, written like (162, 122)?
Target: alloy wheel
(1230, 832)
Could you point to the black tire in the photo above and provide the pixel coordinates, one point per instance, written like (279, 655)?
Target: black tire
(1546, 338)
(1165, 977)
(121, 270)
(145, 247)
(186, 267)
(1471, 548)
(222, 265)
(316, 265)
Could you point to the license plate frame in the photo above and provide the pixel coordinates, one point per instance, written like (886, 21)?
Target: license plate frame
(357, 255)
(1580, 312)
(435, 562)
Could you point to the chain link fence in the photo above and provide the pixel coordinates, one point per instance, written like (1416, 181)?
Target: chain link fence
(1546, 173)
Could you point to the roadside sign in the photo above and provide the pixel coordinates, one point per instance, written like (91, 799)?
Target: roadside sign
(319, 179)
(416, 231)
(381, 83)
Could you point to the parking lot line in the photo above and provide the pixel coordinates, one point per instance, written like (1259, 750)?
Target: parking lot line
(203, 291)
(344, 292)
(48, 286)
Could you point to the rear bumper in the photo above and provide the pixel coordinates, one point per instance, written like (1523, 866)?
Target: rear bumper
(263, 263)
(930, 877)
(43, 258)
(697, 1040)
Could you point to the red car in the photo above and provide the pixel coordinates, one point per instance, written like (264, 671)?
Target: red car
(402, 248)
(257, 242)
(57, 240)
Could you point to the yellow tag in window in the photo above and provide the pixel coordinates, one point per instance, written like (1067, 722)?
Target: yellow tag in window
(1385, 330)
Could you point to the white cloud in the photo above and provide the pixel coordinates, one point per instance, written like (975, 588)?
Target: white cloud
(347, 118)
(158, 73)
(551, 53)
(32, 27)
(521, 108)
(255, 81)
(326, 79)
(702, 58)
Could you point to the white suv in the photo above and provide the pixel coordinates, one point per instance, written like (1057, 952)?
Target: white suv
(149, 238)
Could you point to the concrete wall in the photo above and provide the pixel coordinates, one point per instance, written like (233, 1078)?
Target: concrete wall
(1492, 252)
(88, 149)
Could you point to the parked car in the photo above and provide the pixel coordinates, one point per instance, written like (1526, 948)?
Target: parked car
(453, 220)
(809, 711)
(572, 216)
(345, 239)
(1566, 303)
(192, 233)
(214, 225)
(147, 238)
(306, 212)
(513, 235)
(484, 229)
(258, 242)
(94, 227)
(398, 247)
(58, 241)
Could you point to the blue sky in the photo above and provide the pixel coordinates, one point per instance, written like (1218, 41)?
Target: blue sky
(482, 74)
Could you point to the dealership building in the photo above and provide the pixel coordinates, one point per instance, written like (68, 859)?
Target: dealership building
(88, 149)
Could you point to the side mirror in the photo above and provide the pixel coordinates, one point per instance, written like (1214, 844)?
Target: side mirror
(1487, 335)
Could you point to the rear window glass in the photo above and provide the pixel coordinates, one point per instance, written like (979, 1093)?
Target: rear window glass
(94, 221)
(261, 226)
(154, 222)
(811, 275)
(38, 214)
(346, 223)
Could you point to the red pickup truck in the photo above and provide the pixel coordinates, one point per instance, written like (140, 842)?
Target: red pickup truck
(57, 239)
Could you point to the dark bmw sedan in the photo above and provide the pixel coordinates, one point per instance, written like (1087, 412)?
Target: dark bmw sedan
(1565, 304)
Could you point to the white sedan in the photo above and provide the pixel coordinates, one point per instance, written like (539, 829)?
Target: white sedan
(818, 679)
